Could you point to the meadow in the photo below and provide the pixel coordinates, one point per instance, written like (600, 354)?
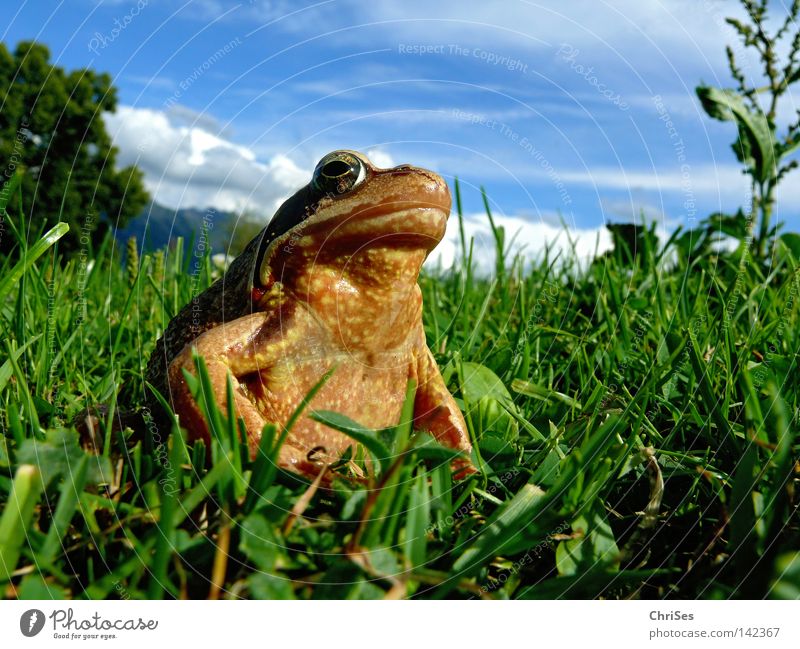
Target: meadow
(634, 420)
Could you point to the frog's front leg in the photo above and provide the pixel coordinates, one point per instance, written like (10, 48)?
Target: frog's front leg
(436, 411)
(237, 348)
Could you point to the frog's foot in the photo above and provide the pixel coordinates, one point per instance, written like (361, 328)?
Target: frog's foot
(436, 411)
(309, 464)
(291, 457)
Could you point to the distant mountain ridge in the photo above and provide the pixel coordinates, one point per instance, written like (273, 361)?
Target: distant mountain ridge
(158, 226)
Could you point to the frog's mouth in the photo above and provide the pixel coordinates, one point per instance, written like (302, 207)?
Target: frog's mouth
(407, 203)
(401, 227)
(420, 226)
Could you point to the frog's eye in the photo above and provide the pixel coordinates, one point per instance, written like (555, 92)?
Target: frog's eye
(338, 173)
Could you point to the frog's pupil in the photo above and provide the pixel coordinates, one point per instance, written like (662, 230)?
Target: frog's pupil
(335, 168)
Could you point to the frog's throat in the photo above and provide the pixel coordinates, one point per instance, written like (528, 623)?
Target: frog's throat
(370, 300)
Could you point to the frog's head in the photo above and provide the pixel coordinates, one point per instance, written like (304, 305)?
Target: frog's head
(355, 219)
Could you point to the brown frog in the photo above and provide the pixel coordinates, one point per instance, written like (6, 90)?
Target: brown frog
(331, 281)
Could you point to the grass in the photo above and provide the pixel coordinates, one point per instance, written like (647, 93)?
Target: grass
(635, 422)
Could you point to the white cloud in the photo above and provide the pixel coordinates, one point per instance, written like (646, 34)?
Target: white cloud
(529, 237)
(380, 158)
(188, 166)
(180, 115)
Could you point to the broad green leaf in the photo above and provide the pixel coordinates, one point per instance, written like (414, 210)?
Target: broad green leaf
(67, 504)
(492, 447)
(479, 381)
(489, 401)
(792, 241)
(259, 542)
(35, 587)
(266, 586)
(595, 548)
(756, 144)
(734, 225)
(60, 454)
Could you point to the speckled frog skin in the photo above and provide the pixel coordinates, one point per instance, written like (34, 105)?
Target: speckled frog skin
(331, 281)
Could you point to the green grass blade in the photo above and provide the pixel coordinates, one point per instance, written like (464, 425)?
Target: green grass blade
(37, 250)
(17, 515)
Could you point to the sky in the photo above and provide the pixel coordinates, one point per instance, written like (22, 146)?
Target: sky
(570, 113)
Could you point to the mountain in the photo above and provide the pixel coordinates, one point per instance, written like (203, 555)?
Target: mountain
(158, 226)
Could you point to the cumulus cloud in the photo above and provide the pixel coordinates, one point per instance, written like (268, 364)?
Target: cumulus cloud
(188, 162)
(380, 158)
(186, 165)
(522, 235)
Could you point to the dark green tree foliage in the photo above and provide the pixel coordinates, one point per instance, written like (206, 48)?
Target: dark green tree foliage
(633, 243)
(51, 128)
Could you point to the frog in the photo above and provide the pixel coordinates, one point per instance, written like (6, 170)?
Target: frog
(329, 286)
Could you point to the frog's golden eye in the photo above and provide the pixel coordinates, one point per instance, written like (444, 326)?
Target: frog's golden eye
(338, 173)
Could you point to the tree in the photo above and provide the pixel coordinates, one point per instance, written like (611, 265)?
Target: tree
(51, 128)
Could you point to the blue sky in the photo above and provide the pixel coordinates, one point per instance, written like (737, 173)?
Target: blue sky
(581, 110)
